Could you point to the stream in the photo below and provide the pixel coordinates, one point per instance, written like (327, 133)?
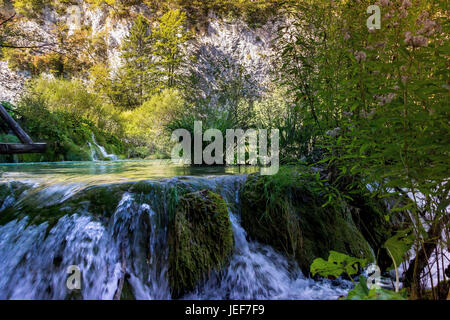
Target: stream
(34, 257)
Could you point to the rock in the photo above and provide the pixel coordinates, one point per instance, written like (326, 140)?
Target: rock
(127, 291)
(368, 215)
(98, 202)
(200, 240)
(12, 83)
(10, 192)
(285, 211)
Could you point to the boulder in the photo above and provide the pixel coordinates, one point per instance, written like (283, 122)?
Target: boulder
(286, 211)
(200, 239)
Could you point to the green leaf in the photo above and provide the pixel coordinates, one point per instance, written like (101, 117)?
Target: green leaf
(360, 291)
(337, 264)
(443, 205)
(399, 244)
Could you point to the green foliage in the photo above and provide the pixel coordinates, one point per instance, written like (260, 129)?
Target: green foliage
(277, 109)
(184, 119)
(399, 245)
(66, 131)
(337, 264)
(376, 99)
(30, 7)
(136, 73)
(362, 292)
(73, 97)
(254, 12)
(152, 57)
(70, 54)
(287, 211)
(145, 126)
(170, 41)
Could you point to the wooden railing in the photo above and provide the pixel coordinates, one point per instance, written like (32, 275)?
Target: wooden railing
(27, 145)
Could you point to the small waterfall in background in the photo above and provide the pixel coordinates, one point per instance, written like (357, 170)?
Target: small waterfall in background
(93, 153)
(35, 258)
(102, 150)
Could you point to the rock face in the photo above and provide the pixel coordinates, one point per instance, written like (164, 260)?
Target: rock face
(11, 83)
(227, 52)
(286, 212)
(200, 239)
(230, 53)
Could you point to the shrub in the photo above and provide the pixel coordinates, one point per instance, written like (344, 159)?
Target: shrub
(144, 126)
(61, 95)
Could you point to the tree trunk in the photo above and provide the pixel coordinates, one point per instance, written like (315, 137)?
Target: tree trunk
(412, 275)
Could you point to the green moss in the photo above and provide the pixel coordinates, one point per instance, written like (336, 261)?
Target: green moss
(200, 239)
(98, 201)
(11, 189)
(285, 211)
(369, 216)
(127, 291)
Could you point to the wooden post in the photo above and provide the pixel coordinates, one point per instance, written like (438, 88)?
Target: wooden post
(18, 131)
(13, 148)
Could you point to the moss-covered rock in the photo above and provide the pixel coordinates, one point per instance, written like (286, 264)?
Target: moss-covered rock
(368, 213)
(127, 291)
(200, 239)
(10, 192)
(286, 212)
(97, 201)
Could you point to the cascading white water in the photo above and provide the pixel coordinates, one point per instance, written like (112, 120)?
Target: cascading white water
(134, 237)
(257, 271)
(102, 150)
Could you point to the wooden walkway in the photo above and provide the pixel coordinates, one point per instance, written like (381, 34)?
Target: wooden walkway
(27, 145)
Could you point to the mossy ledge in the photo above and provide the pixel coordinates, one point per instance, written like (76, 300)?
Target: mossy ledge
(200, 239)
(286, 212)
(99, 202)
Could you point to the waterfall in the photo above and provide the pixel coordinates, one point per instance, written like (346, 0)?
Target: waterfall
(93, 153)
(133, 238)
(257, 271)
(102, 150)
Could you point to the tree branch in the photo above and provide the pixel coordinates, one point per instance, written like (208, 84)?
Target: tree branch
(8, 19)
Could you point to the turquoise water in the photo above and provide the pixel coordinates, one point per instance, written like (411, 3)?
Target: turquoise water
(103, 172)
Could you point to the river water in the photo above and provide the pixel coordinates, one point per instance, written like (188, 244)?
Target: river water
(132, 238)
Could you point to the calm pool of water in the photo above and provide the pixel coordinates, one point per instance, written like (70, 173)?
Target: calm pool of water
(101, 172)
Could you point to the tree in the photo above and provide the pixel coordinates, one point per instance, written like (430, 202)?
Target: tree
(170, 42)
(152, 58)
(137, 72)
